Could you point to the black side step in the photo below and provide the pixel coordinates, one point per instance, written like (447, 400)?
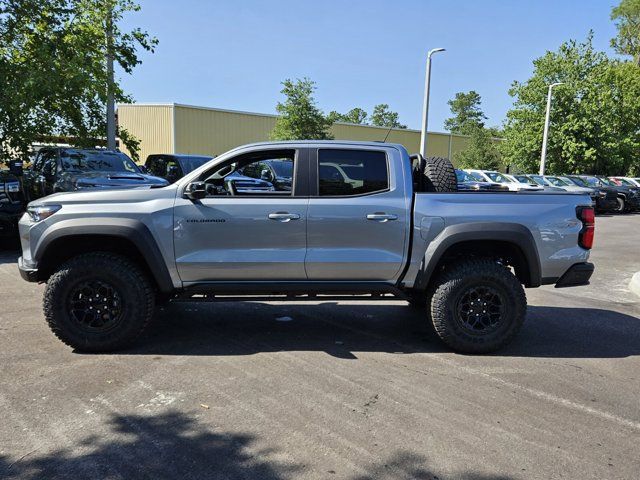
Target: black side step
(288, 291)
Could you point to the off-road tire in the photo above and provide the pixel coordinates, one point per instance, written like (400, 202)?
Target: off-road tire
(448, 297)
(135, 295)
(440, 175)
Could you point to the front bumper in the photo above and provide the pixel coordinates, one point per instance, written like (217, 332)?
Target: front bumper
(578, 274)
(28, 272)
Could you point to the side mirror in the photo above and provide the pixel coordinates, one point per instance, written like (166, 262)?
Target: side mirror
(196, 190)
(16, 167)
(266, 175)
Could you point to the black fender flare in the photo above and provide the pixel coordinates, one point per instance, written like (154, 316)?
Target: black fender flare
(134, 231)
(513, 233)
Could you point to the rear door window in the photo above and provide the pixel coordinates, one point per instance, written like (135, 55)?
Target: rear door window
(352, 172)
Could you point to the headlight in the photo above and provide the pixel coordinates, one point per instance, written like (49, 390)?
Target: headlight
(40, 212)
(13, 187)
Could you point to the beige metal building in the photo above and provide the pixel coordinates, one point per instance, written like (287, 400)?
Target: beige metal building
(175, 128)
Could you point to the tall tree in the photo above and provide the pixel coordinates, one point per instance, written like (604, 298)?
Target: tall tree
(481, 152)
(299, 118)
(467, 113)
(53, 78)
(594, 116)
(627, 19)
(355, 115)
(382, 116)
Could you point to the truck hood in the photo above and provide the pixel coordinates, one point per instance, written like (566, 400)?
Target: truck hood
(80, 180)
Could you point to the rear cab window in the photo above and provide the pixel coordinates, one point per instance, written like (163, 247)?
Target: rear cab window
(346, 172)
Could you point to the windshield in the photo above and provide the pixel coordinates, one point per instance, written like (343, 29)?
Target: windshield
(539, 179)
(99, 161)
(556, 181)
(591, 181)
(524, 179)
(477, 176)
(606, 181)
(577, 181)
(283, 168)
(190, 163)
(463, 177)
(498, 177)
(624, 181)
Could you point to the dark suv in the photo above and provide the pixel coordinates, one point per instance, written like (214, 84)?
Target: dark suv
(11, 203)
(607, 197)
(627, 199)
(173, 167)
(61, 169)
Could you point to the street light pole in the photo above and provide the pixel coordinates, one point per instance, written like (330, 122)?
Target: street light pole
(111, 111)
(425, 105)
(545, 135)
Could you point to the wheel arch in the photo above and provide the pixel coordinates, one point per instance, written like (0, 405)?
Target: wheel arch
(126, 237)
(513, 243)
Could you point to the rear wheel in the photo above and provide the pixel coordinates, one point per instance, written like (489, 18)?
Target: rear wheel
(98, 302)
(477, 306)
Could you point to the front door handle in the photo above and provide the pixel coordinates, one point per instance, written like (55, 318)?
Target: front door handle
(381, 217)
(283, 216)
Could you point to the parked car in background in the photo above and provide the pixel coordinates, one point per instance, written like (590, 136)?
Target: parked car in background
(61, 169)
(615, 198)
(279, 172)
(524, 184)
(569, 186)
(607, 198)
(502, 179)
(12, 204)
(630, 195)
(626, 181)
(467, 183)
(173, 167)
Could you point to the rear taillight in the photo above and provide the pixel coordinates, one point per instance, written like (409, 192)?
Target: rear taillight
(587, 216)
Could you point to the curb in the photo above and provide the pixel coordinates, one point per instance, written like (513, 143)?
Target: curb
(634, 284)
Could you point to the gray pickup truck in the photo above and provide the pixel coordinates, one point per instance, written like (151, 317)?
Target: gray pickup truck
(360, 219)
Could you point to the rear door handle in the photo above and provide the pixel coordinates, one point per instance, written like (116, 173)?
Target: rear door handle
(381, 217)
(284, 216)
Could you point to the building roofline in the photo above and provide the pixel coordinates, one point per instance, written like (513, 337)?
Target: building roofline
(270, 115)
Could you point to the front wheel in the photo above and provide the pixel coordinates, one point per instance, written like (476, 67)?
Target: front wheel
(477, 306)
(98, 302)
(622, 206)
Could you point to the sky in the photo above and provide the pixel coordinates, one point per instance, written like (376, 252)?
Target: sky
(234, 54)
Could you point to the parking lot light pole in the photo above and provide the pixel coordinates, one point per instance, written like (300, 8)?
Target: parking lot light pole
(545, 135)
(425, 105)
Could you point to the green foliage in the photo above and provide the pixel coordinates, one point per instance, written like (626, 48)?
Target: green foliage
(481, 153)
(467, 114)
(299, 117)
(594, 116)
(355, 115)
(627, 19)
(383, 117)
(53, 78)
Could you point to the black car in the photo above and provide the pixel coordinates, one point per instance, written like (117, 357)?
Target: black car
(173, 167)
(626, 199)
(279, 172)
(607, 199)
(467, 183)
(61, 169)
(12, 203)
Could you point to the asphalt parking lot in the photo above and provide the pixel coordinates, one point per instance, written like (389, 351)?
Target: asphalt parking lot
(347, 391)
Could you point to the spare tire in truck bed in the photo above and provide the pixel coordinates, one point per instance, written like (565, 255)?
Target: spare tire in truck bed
(433, 174)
